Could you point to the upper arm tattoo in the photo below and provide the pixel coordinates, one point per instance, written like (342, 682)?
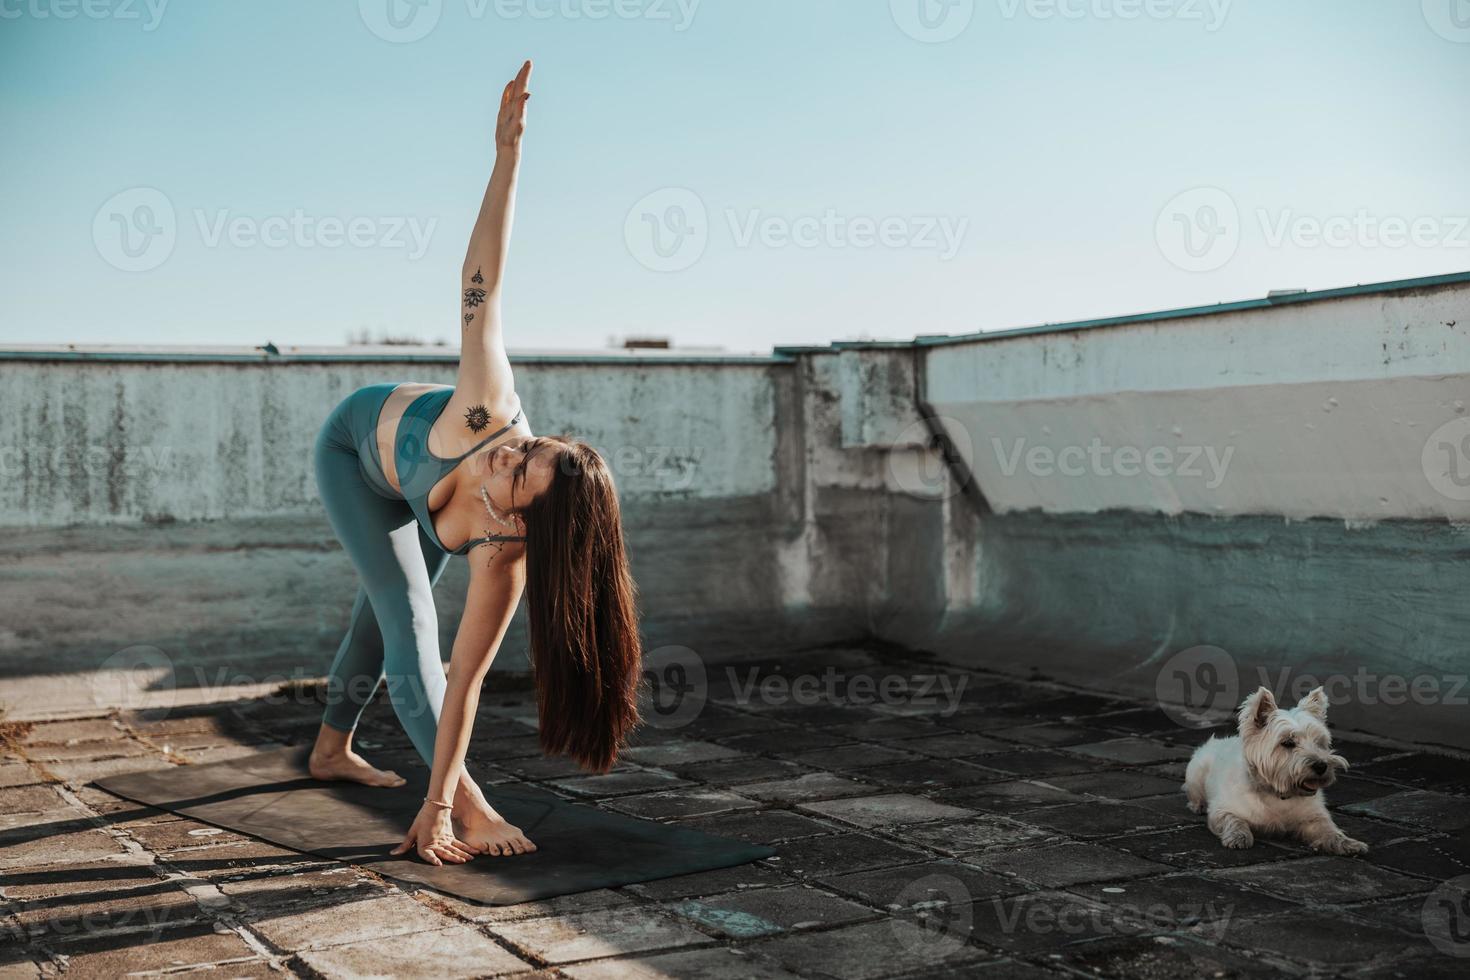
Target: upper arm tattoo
(477, 418)
(473, 296)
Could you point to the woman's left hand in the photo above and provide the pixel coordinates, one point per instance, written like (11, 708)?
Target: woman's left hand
(511, 122)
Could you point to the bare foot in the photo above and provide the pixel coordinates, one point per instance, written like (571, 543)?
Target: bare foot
(489, 834)
(351, 767)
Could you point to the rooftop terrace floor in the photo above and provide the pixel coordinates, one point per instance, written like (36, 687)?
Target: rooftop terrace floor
(1034, 831)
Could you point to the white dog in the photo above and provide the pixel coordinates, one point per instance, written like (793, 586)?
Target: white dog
(1269, 778)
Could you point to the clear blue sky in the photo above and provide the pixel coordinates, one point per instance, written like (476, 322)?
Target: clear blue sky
(1048, 139)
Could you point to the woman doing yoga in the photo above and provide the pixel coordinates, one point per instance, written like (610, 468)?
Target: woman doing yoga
(412, 473)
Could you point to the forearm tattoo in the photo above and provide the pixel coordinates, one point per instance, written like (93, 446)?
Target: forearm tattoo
(477, 418)
(477, 279)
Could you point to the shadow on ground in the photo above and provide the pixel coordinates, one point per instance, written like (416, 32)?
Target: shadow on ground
(929, 821)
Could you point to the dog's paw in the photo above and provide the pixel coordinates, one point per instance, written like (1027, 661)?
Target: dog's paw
(1196, 807)
(1341, 844)
(1237, 839)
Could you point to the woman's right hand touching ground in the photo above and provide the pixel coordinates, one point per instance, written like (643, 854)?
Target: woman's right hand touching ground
(432, 838)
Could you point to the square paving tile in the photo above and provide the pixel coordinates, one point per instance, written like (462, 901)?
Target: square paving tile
(1195, 847)
(930, 774)
(1324, 880)
(1438, 857)
(1038, 922)
(23, 848)
(148, 908)
(1069, 864)
(721, 963)
(1051, 734)
(740, 878)
(763, 826)
(377, 918)
(871, 950)
(1182, 899)
(750, 914)
(892, 809)
(1423, 808)
(1011, 796)
(1164, 956)
(1096, 819)
(819, 857)
(806, 788)
(954, 745)
(459, 951)
(688, 802)
(975, 835)
(733, 772)
(1319, 937)
(683, 751)
(590, 935)
(1117, 785)
(94, 954)
(1038, 763)
(884, 729)
(619, 783)
(1131, 750)
(1422, 769)
(919, 885)
(784, 742)
(847, 758)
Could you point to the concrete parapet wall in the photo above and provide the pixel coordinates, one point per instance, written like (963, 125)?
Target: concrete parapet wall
(778, 503)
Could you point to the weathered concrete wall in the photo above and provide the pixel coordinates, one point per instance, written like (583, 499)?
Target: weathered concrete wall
(1323, 531)
(1333, 409)
(169, 503)
(776, 503)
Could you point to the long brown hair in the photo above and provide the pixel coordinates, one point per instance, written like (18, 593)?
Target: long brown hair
(586, 655)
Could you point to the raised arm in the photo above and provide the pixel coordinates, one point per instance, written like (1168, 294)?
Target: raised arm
(484, 369)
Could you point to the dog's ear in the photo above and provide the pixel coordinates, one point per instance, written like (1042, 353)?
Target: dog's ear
(1256, 710)
(1315, 704)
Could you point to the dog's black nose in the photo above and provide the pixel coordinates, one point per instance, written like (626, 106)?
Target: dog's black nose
(1319, 767)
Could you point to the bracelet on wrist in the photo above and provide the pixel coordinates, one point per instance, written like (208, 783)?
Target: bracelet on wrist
(446, 806)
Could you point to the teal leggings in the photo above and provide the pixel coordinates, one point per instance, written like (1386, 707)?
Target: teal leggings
(394, 630)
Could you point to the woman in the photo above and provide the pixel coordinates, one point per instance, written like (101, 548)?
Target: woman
(412, 473)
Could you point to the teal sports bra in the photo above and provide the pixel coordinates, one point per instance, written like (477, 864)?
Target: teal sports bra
(419, 470)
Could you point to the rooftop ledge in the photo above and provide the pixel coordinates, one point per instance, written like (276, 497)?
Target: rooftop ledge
(269, 353)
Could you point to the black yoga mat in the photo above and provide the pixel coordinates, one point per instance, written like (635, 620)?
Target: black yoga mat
(270, 796)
